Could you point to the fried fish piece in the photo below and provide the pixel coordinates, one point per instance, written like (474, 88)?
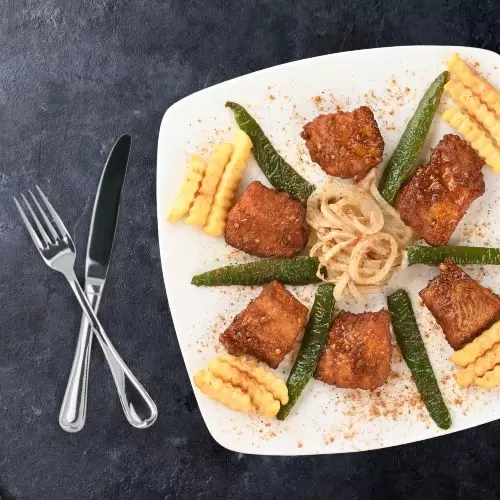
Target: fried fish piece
(462, 307)
(434, 201)
(345, 144)
(266, 223)
(268, 327)
(358, 351)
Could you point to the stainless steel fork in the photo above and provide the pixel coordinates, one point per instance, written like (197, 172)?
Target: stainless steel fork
(57, 249)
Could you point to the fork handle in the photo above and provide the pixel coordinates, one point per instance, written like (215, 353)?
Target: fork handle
(139, 408)
(74, 406)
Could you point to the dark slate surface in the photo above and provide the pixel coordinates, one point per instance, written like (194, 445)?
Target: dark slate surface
(73, 77)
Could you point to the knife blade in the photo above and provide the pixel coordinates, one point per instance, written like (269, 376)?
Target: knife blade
(99, 248)
(105, 212)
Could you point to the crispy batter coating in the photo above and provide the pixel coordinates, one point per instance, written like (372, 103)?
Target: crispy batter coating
(462, 307)
(358, 351)
(345, 144)
(268, 327)
(266, 223)
(439, 194)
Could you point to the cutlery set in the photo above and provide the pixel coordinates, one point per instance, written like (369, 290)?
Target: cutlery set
(57, 249)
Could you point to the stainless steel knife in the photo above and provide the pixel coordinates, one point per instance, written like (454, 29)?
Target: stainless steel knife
(138, 407)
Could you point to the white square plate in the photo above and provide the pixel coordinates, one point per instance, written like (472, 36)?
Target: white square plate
(282, 99)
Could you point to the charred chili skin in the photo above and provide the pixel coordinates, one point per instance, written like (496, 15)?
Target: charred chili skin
(412, 347)
(279, 173)
(294, 271)
(400, 165)
(320, 321)
(433, 256)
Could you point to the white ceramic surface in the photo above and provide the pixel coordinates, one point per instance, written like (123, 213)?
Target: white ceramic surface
(282, 99)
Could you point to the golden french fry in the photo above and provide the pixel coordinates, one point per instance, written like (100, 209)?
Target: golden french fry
(217, 161)
(475, 82)
(263, 400)
(223, 392)
(229, 184)
(489, 379)
(479, 367)
(478, 346)
(470, 103)
(473, 133)
(189, 188)
(242, 385)
(275, 385)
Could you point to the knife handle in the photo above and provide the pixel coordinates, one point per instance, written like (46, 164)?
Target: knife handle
(74, 406)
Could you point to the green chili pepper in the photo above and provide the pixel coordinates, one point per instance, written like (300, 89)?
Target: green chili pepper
(433, 256)
(313, 342)
(402, 161)
(295, 271)
(412, 346)
(279, 173)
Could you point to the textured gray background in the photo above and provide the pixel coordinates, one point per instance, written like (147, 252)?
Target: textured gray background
(74, 75)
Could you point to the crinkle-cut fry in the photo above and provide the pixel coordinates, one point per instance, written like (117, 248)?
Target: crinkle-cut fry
(483, 89)
(469, 353)
(489, 379)
(263, 400)
(217, 161)
(479, 367)
(473, 133)
(470, 103)
(189, 188)
(274, 384)
(223, 392)
(228, 185)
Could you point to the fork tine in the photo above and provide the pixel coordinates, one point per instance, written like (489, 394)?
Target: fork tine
(29, 227)
(53, 213)
(49, 224)
(41, 229)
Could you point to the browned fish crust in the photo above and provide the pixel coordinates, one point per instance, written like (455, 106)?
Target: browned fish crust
(358, 351)
(462, 307)
(268, 327)
(266, 223)
(345, 144)
(437, 197)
